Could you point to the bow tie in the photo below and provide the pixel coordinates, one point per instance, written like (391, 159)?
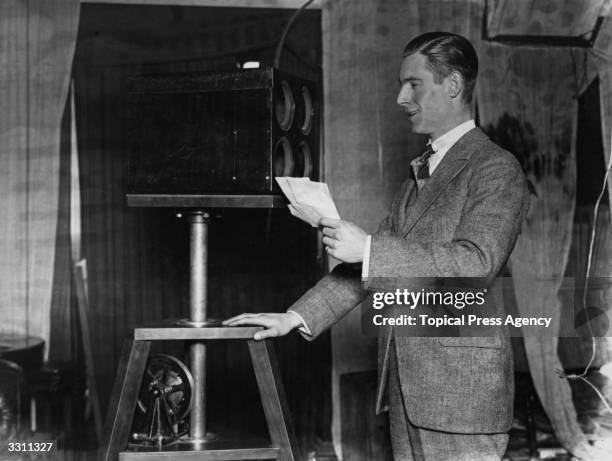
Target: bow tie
(423, 170)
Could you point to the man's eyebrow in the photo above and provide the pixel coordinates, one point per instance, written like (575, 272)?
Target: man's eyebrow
(410, 79)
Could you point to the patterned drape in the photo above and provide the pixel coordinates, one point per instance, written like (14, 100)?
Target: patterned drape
(527, 99)
(37, 40)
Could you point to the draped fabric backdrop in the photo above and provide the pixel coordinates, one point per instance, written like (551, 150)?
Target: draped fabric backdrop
(531, 110)
(37, 40)
(534, 116)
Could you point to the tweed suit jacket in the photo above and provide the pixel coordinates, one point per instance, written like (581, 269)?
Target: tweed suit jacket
(462, 223)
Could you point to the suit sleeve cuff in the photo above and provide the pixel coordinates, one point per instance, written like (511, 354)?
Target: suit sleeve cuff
(304, 328)
(365, 266)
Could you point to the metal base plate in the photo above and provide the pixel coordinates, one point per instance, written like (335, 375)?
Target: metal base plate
(210, 323)
(186, 442)
(213, 447)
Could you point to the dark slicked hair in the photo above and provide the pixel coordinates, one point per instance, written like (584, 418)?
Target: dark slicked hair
(445, 53)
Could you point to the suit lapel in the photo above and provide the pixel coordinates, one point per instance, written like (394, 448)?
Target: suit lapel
(451, 165)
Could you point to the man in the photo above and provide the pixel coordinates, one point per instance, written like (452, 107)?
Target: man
(458, 215)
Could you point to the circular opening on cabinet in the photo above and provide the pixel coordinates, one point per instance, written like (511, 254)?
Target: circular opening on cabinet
(285, 106)
(308, 111)
(304, 160)
(283, 158)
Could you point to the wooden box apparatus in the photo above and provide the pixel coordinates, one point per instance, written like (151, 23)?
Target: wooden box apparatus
(223, 134)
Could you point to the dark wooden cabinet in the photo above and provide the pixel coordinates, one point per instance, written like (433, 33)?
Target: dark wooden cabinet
(221, 133)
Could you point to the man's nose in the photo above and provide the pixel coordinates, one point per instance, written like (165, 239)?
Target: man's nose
(403, 97)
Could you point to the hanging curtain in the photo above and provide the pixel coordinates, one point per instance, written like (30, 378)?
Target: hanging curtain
(527, 99)
(37, 40)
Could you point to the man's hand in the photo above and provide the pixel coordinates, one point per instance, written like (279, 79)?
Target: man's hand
(343, 240)
(275, 324)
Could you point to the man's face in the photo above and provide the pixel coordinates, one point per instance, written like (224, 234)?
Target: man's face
(427, 104)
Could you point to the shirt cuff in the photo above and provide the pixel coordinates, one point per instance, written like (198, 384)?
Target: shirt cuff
(304, 328)
(365, 266)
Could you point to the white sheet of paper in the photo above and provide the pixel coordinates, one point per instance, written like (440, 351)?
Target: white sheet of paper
(284, 185)
(315, 195)
(295, 211)
(298, 214)
(311, 215)
(310, 200)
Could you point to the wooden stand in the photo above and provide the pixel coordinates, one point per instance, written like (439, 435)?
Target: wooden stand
(127, 385)
(198, 331)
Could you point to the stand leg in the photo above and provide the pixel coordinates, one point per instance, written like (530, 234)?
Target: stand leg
(273, 399)
(124, 398)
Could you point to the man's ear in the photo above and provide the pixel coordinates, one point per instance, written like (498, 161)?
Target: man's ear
(454, 84)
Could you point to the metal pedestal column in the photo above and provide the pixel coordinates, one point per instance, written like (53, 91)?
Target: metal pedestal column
(197, 307)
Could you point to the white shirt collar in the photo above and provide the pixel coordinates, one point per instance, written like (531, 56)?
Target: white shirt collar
(446, 141)
(441, 146)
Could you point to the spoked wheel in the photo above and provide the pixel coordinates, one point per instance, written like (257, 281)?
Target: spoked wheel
(164, 401)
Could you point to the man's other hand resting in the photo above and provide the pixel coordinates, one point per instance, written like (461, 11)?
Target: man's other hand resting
(275, 324)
